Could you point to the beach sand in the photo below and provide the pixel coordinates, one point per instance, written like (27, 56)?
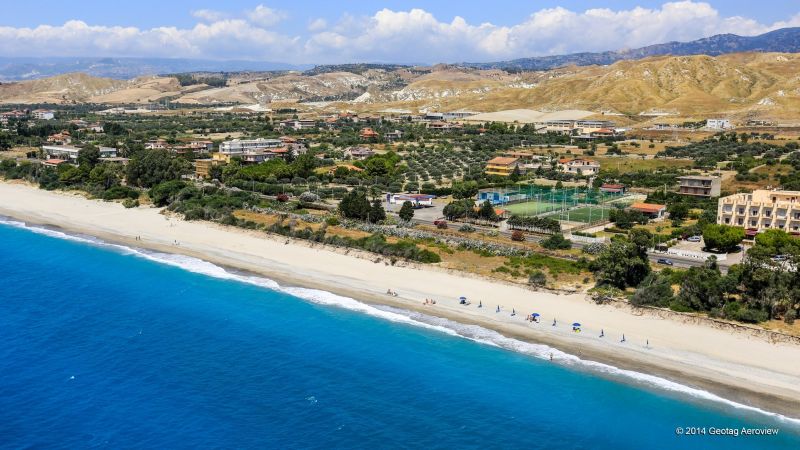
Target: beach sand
(735, 365)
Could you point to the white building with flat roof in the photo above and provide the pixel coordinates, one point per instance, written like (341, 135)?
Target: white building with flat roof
(239, 146)
(719, 124)
(70, 153)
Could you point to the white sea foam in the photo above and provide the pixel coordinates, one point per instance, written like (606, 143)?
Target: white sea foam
(397, 315)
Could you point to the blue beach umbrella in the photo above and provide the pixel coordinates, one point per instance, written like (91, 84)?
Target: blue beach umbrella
(462, 298)
(576, 324)
(535, 314)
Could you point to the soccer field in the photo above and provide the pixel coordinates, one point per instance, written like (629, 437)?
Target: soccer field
(584, 214)
(531, 208)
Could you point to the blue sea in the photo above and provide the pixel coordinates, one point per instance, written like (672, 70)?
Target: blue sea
(113, 347)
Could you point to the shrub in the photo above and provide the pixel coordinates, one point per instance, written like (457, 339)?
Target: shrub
(556, 242)
(537, 278)
(130, 203)
(466, 228)
(517, 236)
(309, 197)
(332, 221)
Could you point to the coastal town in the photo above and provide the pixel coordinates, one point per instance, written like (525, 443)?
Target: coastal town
(569, 201)
(428, 225)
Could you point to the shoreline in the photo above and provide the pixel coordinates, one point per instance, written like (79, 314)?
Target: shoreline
(695, 355)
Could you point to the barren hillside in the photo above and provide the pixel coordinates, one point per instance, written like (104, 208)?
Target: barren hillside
(746, 84)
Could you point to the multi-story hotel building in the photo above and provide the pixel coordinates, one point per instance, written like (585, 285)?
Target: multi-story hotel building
(761, 210)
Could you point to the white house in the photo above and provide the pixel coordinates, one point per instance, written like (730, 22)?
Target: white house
(70, 153)
(417, 200)
(718, 124)
(43, 114)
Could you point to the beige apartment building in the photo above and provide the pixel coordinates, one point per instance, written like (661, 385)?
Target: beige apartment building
(699, 186)
(761, 210)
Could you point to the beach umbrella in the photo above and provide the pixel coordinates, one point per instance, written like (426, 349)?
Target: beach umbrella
(462, 298)
(535, 314)
(576, 324)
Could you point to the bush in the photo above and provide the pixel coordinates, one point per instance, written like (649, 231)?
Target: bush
(332, 221)
(309, 197)
(556, 242)
(517, 236)
(537, 278)
(130, 203)
(466, 228)
(120, 192)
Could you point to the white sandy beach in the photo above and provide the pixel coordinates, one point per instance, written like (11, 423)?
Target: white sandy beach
(737, 365)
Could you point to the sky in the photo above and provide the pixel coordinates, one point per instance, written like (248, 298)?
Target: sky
(342, 31)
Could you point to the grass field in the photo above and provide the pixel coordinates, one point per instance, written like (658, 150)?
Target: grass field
(625, 165)
(532, 208)
(583, 214)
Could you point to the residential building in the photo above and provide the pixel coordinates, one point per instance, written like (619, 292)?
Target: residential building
(368, 133)
(55, 162)
(652, 210)
(718, 124)
(63, 138)
(609, 188)
(240, 145)
(42, 114)
(298, 124)
(417, 200)
(156, 144)
(393, 135)
(202, 167)
(70, 153)
(358, 152)
(760, 210)
(699, 186)
(502, 166)
(579, 166)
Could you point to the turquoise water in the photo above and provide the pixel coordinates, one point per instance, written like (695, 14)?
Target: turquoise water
(102, 346)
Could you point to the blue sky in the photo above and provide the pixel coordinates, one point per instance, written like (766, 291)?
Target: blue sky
(386, 31)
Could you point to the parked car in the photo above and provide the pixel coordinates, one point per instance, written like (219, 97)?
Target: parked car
(665, 261)
(440, 223)
(780, 258)
(694, 238)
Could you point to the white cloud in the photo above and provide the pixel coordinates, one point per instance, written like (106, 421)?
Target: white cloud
(209, 15)
(265, 16)
(318, 25)
(392, 36)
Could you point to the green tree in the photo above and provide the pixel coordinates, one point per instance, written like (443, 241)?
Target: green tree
(556, 242)
(722, 237)
(654, 290)
(151, 167)
(621, 265)
(89, 156)
(465, 189)
(354, 205)
(376, 213)
(406, 211)
(487, 212)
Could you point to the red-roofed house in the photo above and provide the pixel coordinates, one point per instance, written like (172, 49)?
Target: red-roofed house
(609, 188)
(368, 133)
(652, 210)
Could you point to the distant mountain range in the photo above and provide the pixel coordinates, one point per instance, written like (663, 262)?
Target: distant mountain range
(784, 40)
(17, 69)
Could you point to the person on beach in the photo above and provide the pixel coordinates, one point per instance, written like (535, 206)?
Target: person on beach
(602, 333)
(513, 312)
(623, 337)
(554, 322)
(498, 309)
(480, 304)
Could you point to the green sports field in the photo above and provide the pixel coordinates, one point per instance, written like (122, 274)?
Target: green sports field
(583, 214)
(531, 208)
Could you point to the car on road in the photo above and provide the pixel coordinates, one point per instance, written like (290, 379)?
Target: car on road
(440, 223)
(665, 261)
(694, 239)
(780, 258)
